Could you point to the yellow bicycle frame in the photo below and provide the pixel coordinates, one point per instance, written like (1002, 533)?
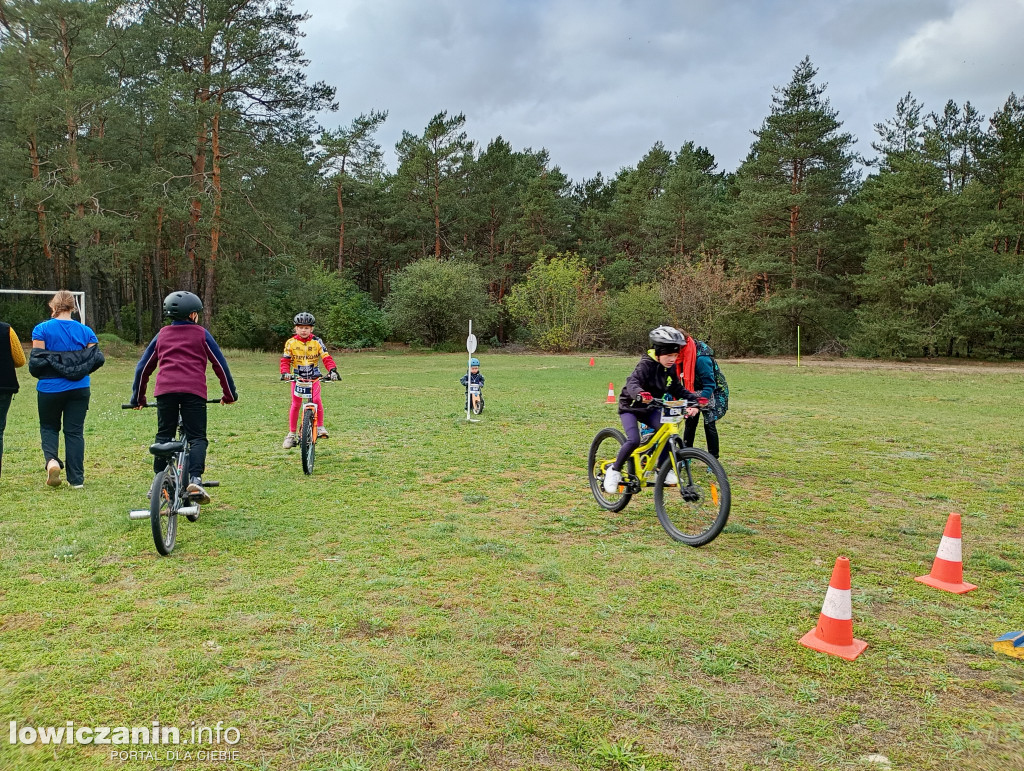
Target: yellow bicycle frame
(653, 449)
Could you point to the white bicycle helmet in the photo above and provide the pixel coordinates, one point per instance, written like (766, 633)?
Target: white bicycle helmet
(667, 336)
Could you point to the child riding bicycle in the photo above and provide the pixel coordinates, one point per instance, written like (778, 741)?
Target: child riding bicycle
(475, 378)
(181, 350)
(303, 353)
(653, 376)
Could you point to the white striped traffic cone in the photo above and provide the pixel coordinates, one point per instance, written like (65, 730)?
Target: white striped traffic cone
(948, 569)
(834, 632)
(611, 395)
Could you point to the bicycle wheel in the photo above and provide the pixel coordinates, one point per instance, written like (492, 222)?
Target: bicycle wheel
(694, 511)
(307, 442)
(602, 454)
(478, 406)
(162, 516)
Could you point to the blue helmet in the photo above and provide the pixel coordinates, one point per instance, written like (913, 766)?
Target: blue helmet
(474, 362)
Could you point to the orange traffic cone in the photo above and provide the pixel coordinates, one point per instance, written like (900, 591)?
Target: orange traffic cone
(591, 361)
(834, 632)
(611, 395)
(948, 568)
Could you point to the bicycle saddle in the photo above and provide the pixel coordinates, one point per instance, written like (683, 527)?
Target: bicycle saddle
(166, 448)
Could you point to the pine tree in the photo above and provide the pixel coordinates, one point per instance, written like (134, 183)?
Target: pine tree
(686, 218)
(432, 168)
(787, 229)
(351, 154)
(906, 210)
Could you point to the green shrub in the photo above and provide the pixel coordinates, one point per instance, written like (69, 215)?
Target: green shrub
(356, 322)
(113, 346)
(345, 317)
(432, 302)
(632, 314)
(23, 314)
(561, 304)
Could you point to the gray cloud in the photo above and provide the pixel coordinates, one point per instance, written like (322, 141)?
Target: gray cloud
(597, 82)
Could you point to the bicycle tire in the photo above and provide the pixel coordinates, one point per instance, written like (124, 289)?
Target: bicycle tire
(307, 442)
(162, 517)
(478, 407)
(597, 479)
(683, 510)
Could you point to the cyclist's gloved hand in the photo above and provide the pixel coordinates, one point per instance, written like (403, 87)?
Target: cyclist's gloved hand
(645, 396)
(334, 374)
(286, 376)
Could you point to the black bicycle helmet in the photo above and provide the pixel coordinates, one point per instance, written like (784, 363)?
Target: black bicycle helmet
(180, 305)
(304, 319)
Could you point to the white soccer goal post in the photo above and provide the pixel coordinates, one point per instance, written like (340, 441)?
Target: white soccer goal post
(79, 298)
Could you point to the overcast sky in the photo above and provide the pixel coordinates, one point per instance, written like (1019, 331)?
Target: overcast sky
(597, 82)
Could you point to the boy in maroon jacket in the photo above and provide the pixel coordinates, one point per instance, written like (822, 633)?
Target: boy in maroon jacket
(181, 349)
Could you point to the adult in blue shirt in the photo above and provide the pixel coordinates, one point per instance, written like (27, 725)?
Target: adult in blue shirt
(60, 399)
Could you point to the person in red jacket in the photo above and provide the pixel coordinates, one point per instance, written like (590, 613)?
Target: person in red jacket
(182, 349)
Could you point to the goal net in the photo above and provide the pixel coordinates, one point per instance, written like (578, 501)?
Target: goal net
(24, 308)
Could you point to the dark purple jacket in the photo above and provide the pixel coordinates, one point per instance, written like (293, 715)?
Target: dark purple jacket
(650, 376)
(181, 350)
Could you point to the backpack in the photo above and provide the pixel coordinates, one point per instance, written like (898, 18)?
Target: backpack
(721, 392)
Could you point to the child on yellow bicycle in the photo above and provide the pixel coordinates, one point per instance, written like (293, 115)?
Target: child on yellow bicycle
(303, 353)
(654, 374)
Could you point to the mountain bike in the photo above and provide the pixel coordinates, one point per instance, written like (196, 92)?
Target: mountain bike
(303, 388)
(695, 510)
(167, 496)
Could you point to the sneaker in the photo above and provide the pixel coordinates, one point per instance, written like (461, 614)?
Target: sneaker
(196, 492)
(289, 441)
(671, 478)
(321, 432)
(611, 480)
(77, 487)
(53, 474)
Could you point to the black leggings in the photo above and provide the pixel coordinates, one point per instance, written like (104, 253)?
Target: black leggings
(710, 433)
(69, 407)
(192, 409)
(5, 405)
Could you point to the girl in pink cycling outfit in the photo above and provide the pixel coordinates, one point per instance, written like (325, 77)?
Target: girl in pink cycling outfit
(303, 353)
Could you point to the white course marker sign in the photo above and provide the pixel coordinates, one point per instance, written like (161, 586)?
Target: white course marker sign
(471, 347)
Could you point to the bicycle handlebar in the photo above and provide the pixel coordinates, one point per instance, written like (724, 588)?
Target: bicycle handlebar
(147, 405)
(679, 403)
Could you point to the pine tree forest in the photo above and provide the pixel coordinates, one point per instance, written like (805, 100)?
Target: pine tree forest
(175, 144)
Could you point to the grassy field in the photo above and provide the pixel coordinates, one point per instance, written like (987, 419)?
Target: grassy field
(447, 596)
